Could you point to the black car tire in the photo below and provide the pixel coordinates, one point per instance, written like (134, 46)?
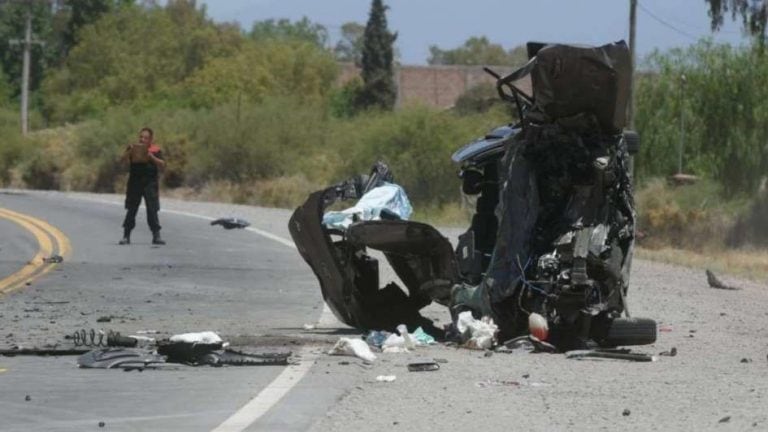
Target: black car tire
(630, 331)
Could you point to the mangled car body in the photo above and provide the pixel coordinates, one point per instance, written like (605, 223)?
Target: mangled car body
(553, 229)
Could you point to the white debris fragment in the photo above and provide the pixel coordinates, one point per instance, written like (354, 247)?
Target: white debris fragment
(386, 378)
(309, 326)
(353, 347)
(206, 337)
(479, 334)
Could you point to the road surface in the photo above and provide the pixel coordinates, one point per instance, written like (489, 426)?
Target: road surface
(252, 287)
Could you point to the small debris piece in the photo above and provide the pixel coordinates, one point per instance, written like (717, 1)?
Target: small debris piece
(671, 353)
(746, 360)
(104, 319)
(490, 383)
(526, 376)
(714, 282)
(423, 366)
(309, 326)
(626, 412)
(386, 378)
(53, 259)
(27, 398)
(581, 354)
(355, 347)
(488, 353)
(725, 419)
(102, 424)
(231, 223)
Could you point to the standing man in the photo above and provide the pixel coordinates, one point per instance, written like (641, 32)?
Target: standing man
(146, 160)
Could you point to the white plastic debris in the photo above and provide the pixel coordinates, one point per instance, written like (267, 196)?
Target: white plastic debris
(353, 347)
(206, 337)
(309, 326)
(479, 334)
(143, 341)
(388, 197)
(386, 378)
(538, 326)
(395, 350)
(408, 341)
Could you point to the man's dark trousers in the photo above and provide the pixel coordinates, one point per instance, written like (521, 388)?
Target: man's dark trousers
(142, 182)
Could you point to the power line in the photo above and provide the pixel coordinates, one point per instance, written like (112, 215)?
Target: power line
(665, 23)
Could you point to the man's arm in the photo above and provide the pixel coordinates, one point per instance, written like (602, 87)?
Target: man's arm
(157, 159)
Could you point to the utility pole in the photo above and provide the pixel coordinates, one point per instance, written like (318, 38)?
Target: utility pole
(683, 81)
(631, 102)
(27, 45)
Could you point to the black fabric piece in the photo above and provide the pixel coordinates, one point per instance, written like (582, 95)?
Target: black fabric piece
(231, 223)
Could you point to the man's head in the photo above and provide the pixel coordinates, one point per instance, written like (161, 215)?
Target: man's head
(146, 135)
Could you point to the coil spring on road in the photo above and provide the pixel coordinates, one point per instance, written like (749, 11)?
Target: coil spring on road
(98, 338)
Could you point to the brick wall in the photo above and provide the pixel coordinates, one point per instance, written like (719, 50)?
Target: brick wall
(435, 86)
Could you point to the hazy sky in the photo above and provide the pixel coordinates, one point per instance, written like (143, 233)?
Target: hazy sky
(661, 24)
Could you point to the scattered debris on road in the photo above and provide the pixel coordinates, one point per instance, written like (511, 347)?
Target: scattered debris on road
(353, 347)
(425, 365)
(53, 259)
(725, 419)
(386, 378)
(622, 354)
(231, 223)
(714, 282)
(476, 334)
(626, 412)
(497, 383)
(670, 353)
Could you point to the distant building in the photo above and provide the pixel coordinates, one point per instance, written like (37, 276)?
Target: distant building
(434, 86)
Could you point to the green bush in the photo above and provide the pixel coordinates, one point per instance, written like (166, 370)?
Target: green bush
(244, 142)
(724, 103)
(416, 142)
(12, 147)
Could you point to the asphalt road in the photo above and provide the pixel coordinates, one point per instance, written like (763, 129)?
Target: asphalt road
(240, 284)
(245, 283)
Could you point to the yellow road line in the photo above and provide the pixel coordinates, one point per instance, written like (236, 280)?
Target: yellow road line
(64, 246)
(36, 267)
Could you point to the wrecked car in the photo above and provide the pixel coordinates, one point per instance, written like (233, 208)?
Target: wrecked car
(553, 230)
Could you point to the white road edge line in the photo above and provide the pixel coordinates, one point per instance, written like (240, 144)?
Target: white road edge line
(288, 378)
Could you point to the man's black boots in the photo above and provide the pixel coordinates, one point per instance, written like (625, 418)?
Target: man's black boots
(126, 238)
(156, 240)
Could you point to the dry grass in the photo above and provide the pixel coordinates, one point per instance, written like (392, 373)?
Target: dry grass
(281, 192)
(750, 264)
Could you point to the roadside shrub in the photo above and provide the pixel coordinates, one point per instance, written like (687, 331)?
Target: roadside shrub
(751, 228)
(416, 142)
(690, 217)
(245, 142)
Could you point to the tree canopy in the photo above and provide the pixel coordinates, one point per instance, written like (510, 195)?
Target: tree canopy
(377, 61)
(350, 47)
(477, 51)
(753, 14)
(284, 29)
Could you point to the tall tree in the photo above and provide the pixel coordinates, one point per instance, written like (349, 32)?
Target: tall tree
(350, 47)
(753, 13)
(5, 89)
(82, 13)
(12, 26)
(477, 51)
(284, 29)
(377, 68)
